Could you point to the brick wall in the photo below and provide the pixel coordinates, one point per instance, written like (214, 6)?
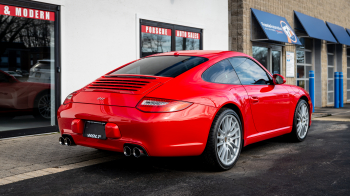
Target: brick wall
(335, 12)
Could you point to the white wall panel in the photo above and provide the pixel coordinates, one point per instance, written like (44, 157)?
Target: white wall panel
(98, 36)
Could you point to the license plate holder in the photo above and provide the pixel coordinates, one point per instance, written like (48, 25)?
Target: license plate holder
(93, 129)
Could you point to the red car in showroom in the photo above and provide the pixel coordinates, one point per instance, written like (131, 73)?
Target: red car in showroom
(185, 103)
(16, 98)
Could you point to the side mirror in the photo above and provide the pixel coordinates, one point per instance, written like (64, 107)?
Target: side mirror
(278, 79)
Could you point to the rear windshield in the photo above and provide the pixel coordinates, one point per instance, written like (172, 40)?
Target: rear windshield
(167, 66)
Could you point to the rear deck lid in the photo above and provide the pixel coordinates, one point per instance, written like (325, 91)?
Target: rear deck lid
(119, 90)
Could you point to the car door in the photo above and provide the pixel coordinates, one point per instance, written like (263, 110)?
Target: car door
(222, 77)
(269, 103)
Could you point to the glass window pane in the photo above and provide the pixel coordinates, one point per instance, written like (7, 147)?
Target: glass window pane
(27, 76)
(300, 56)
(330, 72)
(348, 84)
(348, 61)
(308, 44)
(348, 73)
(308, 57)
(222, 72)
(330, 85)
(167, 66)
(330, 97)
(348, 95)
(261, 54)
(330, 59)
(155, 40)
(186, 40)
(307, 85)
(308, 69)
(301, 83)
(276, 62)
(302, 41)
(330, 48)
(251, 73)
(300, 72)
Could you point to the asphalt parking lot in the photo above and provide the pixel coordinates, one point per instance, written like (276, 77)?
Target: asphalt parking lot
(318, 166)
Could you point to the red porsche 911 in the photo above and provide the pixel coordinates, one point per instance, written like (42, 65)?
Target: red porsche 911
(185, 103)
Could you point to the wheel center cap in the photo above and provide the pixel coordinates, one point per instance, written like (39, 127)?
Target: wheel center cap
(225, 139)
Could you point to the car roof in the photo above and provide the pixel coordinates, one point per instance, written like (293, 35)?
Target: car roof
(201, 53)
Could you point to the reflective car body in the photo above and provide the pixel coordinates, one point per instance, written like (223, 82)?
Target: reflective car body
(265, 111)
(19, 95)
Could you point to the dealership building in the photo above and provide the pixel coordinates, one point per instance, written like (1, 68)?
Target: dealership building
(55, 47)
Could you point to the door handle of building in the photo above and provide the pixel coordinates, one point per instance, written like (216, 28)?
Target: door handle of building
(255, 99)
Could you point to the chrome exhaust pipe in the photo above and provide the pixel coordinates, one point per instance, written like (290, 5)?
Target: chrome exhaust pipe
(67, 141)
(137, 152)
(127, 151)
(61, 141)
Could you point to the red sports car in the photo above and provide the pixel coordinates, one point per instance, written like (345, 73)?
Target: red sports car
(185, 103)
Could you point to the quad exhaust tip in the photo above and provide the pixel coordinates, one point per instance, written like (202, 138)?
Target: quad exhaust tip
(67, 141)
(137, 152)
(127, 151)
(61, 141)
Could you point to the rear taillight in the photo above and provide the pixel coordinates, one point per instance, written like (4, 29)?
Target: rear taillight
(68, 98)
(161, 105)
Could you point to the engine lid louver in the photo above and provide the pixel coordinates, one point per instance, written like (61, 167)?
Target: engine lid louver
(123, 84)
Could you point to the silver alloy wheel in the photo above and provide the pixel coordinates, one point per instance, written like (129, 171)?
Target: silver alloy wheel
(228, 140)
(44, 106)
(302, 120)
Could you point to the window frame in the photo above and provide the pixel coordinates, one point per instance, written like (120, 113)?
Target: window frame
(334, 70)
(270, 48)
(173, 28)
(57, 68)
(348, 78)
(311, 65)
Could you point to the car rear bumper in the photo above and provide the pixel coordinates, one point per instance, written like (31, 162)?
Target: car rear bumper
(182, 133)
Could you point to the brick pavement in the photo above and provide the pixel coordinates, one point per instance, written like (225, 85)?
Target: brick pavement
(36, 153)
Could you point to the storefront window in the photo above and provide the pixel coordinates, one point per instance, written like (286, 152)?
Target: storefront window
(159, 37)
(270, 58)
(348, 75)
(304, 62)
(186, 40)
(27, 77)
(155, 40)
(276, 62)
(261, 54)
(330, 73)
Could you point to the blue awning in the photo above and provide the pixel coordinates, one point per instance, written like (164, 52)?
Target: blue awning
(275, 28)
(314, 27)
(339, 33)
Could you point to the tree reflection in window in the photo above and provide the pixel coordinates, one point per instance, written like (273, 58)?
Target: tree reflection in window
(153, 44)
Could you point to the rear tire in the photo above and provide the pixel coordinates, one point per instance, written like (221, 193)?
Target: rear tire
(224, 141)
(42, 106)
(300, 122)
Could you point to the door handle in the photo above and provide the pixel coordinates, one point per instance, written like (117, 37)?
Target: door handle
(254, 99)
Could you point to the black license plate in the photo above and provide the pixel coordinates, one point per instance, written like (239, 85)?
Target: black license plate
(95, 130)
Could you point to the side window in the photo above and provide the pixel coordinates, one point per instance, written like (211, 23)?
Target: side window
(221, 72)
(251, 73)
